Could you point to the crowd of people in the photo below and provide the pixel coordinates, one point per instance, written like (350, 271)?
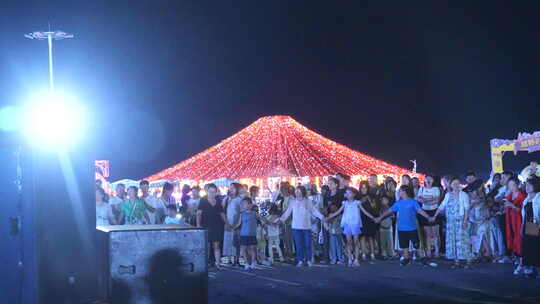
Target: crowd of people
(465, 221)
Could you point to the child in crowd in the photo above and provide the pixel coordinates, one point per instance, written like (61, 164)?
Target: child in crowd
(351, 222)
(173, 217)
(386, 231)
(261, 240)
(335, 238)
(273, 230)
(406, 208)
(248, 233)
(497, 243)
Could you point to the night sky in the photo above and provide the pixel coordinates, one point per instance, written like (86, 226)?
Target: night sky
(167, 79)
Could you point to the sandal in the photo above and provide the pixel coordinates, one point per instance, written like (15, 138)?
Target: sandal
(456, 265)
(356, 263)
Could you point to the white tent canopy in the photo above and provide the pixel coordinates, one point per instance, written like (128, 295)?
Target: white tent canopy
(154, 184)
(161, 182)
(126, 182)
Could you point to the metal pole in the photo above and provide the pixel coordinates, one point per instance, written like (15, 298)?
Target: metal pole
(51, 79)
(50, 36)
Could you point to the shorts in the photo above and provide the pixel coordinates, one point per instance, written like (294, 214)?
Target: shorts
(261, 245)
(351, 229)
(424, 221)
(248, 240)
(406, 237)
(273, 240)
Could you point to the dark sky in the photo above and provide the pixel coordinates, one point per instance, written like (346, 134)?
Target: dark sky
(397, 80)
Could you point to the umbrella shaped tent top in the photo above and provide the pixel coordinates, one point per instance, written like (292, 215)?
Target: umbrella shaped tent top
(161, 182)
(126, 182)
(276, 146)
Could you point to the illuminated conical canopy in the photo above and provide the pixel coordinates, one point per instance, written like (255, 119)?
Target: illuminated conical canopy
(276, 146)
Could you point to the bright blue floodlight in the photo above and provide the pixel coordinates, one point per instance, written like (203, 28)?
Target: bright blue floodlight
(53, 121)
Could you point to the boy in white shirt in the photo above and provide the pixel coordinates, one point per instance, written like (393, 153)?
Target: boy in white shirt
(154, 206)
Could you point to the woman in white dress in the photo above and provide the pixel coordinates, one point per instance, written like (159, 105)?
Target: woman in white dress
(192, 206)
(231, 237)
(104, 213)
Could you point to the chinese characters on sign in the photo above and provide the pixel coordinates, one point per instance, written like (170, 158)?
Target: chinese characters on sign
(528, 142)
(524, 142)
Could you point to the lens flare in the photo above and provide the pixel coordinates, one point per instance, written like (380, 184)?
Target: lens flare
(10, 118)
(54, 120)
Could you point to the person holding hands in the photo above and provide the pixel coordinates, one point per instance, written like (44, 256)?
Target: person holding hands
(302, 210)
(351, 222)
(406, 209)
(456, 205)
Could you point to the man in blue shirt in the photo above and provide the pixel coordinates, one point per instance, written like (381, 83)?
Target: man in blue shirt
(406, 208)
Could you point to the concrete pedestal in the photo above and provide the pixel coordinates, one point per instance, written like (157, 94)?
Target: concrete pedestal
(146, 264)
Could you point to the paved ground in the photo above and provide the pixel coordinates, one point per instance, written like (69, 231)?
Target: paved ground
(382, 282)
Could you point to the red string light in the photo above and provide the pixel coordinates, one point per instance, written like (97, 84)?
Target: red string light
(276, 146)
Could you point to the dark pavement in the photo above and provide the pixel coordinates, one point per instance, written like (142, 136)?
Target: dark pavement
(382, 282)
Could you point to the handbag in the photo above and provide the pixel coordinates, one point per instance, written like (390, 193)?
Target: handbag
(532, 229)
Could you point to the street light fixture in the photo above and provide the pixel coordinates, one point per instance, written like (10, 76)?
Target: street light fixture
(49, 36)
(52, 119)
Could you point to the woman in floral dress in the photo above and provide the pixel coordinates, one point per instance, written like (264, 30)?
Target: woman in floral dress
(458, 241)
(481, 227)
